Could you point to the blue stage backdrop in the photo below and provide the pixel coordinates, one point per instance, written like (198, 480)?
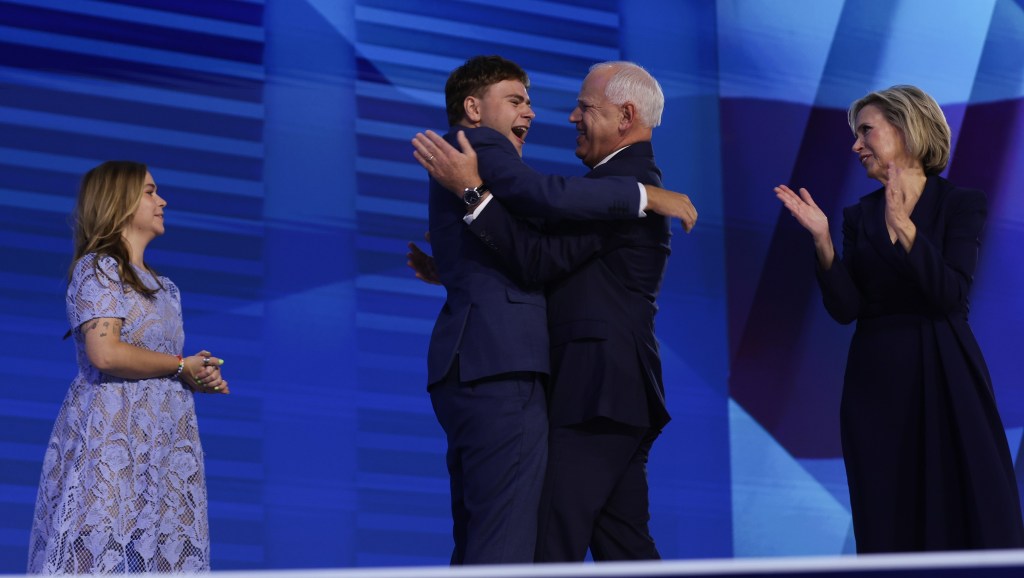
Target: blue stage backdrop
(278, 131)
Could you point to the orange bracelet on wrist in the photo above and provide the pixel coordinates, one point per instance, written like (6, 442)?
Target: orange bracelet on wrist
(181, 366)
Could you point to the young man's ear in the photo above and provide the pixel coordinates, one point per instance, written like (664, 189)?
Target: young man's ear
(472, 107)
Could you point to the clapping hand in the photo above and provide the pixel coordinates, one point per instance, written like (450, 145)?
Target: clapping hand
(811, 217)
(804, 210)
(903, 188)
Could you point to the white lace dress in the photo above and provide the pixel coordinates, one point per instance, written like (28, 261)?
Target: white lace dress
(122, 488)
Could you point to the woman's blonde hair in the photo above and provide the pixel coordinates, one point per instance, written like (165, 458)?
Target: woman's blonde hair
(108, 196)
(918, 118)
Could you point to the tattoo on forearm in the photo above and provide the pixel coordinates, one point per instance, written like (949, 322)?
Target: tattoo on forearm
(106, 325)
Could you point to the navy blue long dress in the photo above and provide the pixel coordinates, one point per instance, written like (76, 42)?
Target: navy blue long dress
(926, 455)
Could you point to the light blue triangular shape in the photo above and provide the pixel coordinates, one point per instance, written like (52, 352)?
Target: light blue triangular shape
(1013, 437)
(779, 509)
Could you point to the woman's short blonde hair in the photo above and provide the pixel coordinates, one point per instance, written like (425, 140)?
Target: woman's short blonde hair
(918, 118)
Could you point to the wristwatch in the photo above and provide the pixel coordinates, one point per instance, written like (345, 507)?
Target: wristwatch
(472, 196)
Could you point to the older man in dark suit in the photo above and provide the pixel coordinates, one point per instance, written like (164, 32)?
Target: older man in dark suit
(606, 399)
(489, 351)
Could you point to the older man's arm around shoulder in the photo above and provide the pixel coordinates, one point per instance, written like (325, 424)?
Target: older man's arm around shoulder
(530, 193)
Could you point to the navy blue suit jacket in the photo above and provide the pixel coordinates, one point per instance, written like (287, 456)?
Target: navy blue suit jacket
(601, 303)
(491, 323)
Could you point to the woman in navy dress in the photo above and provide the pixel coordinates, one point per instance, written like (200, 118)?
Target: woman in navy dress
(122, 488)
(926, 455)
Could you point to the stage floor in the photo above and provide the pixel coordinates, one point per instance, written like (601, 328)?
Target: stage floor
(985, 564)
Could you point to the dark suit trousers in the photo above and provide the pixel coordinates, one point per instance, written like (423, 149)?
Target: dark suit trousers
(497, 430)
(595, 494)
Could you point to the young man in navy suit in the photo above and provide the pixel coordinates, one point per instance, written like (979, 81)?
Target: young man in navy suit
(606, 393)
(489, 352)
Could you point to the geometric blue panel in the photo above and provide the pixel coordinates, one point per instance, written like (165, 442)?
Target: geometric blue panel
(778, 507)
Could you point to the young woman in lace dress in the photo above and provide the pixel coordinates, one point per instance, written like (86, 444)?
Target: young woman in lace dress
(122, 488)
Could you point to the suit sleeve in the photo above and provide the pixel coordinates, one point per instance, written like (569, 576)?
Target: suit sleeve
(530, 255)
(839, 293)
(945, 276)
(527, 192)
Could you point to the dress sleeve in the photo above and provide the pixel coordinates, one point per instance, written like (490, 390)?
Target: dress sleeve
(945, 276)
(94, 292)
(839, 293)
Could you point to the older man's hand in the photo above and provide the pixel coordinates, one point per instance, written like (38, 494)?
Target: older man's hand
(671, 204)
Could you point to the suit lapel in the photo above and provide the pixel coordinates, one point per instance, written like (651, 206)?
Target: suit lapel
(872, 208)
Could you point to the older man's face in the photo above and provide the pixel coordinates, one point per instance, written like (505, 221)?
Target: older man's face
(596, 120)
